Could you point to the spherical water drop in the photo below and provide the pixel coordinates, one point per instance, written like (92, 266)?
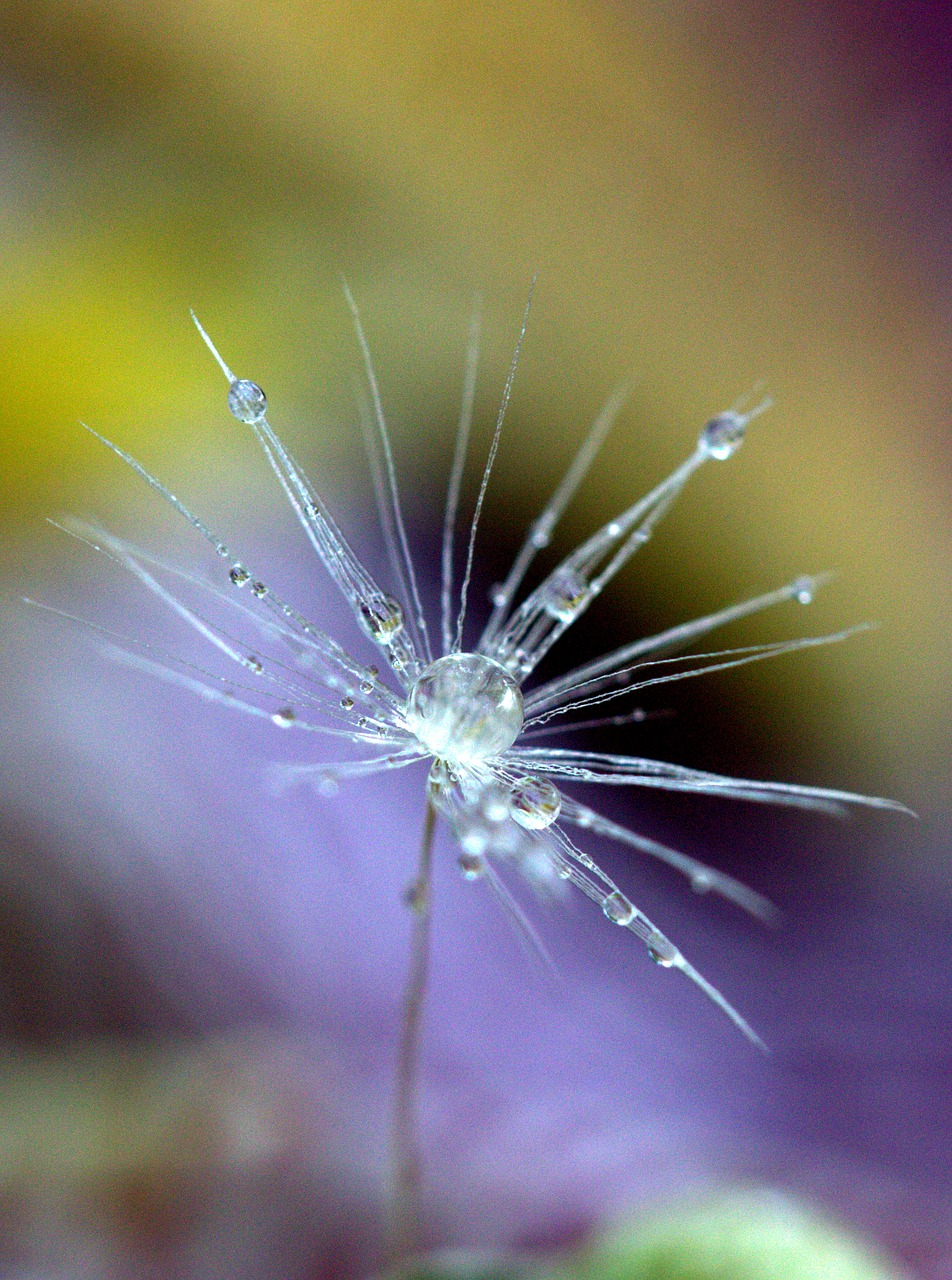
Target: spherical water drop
(465, 708)
(702, 881)
(381, 618)
(564, 595)
(254, 664)
(247, 401)
(723, 435)
(471, 865)
(614, 529)
(346, 703)
(259, 590)
(534, 803)
(239, 575)
(803, 590)
(497, 595)
(366, 686)
(618, 909)
(284, 718)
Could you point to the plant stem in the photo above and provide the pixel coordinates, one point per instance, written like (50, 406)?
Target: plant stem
(407, 1163)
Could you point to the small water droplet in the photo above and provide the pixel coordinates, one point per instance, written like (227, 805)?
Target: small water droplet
(254, 664)
(614, 529)
(534, 803)
(618, 909)
(494, 805)
(803, 590)
(381, 618)
(701, 881)
(247, 401)
(366, 686)
(259, 590)
(239, 575)
(284, 718)
(471, 865)
(346, 702)
(564, 595)
(415, 897)
(497, 595)
(662, 952)
(723, 435)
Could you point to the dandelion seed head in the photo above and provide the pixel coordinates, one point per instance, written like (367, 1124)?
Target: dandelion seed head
(464, 711)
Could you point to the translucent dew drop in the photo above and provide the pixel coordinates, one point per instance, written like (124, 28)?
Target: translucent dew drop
(662, 952)
(803, 590)
(259, 590)
(239, 575)
(283, 718)
(723, 435)
(381, 619)
(246, 401)
(254, 664)
(618, 909)
(471, 866)
(346, 703)
(534, 803)
(465, 708)
(564, 595)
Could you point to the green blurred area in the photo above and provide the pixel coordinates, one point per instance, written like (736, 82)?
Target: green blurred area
(239, 157)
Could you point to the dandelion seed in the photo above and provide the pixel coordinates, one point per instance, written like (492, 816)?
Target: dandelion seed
(466, 711)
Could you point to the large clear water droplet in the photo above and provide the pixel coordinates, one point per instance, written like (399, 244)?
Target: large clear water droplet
(534, 803)
(465, 708)
(247, 401)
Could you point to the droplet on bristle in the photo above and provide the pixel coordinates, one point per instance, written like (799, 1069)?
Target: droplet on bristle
(471, 865)
(239, 575)
(283, 718)
(246, 401)
(723, 435)
(534, 803)
(381, 618)
(618, 909)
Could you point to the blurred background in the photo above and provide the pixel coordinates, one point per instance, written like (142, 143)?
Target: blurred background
(199, 981)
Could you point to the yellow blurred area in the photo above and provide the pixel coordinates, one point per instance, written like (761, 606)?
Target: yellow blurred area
(239, 157)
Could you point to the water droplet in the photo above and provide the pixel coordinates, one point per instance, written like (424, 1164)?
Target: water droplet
(723, 435)
(534, 803)
(471, 865)
(366, 686)
(662, 952)
(465, 708)
(346, 702)
(283, 718)
(247, 401)
(259, 590)
(618, 909)
(497, 595)
(254, 664)
(702, 881)
(381, 618)
(803, 590)
(519, 663)
(415, 897)
(564, 595)
(614, 529)
(239, 575)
